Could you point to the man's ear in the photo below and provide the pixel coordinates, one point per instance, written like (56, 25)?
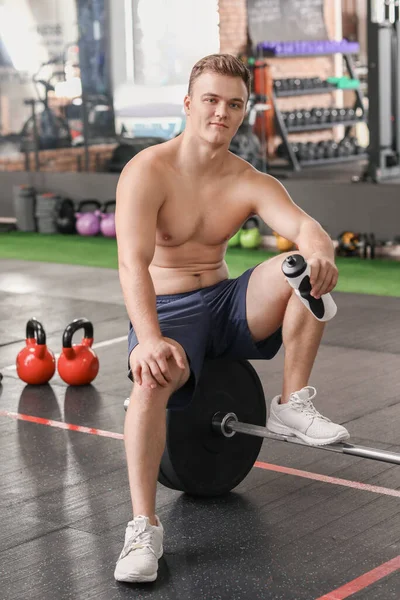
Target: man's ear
(186, 104)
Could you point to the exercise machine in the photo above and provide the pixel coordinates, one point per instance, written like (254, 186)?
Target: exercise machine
(383, 34)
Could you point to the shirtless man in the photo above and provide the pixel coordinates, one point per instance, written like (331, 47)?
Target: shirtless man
(178, 204)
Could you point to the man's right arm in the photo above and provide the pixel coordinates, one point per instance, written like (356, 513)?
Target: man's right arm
(139, 198)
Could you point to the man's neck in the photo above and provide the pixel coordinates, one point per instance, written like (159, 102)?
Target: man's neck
(198, 157)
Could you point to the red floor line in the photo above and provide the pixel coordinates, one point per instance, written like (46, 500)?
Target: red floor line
(356, 585)
(61, 425)
(327, 479)
(261, 465)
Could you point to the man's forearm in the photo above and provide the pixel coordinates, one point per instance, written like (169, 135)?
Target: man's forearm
(313, 240)
(140, 300)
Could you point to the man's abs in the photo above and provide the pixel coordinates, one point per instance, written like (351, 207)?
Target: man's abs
(176, 270)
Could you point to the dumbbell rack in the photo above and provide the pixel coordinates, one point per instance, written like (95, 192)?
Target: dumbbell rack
(294, 163)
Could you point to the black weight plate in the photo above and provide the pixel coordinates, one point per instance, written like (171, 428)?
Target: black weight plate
(198, 460)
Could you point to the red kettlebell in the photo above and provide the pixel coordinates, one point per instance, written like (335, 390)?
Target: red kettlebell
(78, 363)
(35, 363)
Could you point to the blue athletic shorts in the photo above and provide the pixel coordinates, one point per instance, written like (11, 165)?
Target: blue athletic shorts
(209, 323)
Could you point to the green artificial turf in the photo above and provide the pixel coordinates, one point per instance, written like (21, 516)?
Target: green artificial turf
(380, 277)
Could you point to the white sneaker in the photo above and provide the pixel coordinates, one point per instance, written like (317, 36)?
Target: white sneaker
(143, 548)
(300, 418)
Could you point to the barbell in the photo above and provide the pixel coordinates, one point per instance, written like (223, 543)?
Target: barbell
(206, 453)
(203, 454)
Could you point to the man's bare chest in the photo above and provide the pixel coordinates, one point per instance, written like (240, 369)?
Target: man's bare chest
(209, 219)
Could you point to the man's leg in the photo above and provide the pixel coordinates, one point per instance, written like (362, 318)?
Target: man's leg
(301, 334)
(144, 444)
(145, 431)
(271, 303)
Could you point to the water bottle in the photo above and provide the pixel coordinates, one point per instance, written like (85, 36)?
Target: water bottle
(297, 273)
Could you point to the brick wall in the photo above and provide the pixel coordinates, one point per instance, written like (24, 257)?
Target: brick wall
(63, 160)
(233, 40)
(232, 26)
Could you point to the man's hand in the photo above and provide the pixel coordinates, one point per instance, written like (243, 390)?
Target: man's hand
(149, 363)
(323, 275)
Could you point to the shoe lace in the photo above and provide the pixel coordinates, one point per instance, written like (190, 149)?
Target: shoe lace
(305, 405)
(139, 538)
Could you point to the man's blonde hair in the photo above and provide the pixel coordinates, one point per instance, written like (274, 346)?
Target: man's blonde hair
(223, 64)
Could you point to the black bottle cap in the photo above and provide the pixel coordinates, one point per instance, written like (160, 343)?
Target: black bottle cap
(294, 265)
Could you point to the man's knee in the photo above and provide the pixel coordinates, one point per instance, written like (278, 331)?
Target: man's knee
(271, 279)
(179, 376)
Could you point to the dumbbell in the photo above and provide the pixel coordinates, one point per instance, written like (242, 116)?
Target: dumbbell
(281, 150)
(342, 150)
(299, 121)
(351, 143)
(330, 149)
(351, 114)
(297, 84)
(357, 149)
(307, 151)
(291, 119)
(290, 83)
(326, 113)
(333, 115)
(301, 151)
(316, 82)
(320, 150)
(316, 115)
(307, 117)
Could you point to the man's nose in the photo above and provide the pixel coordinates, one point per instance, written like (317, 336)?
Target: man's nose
(221, 110)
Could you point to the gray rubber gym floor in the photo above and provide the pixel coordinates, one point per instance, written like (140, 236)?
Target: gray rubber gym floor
(304, 524)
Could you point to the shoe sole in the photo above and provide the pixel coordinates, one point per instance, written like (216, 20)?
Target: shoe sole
(138, 579)
(284, 430)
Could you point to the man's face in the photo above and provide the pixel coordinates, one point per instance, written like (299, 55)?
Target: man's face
(216, 107)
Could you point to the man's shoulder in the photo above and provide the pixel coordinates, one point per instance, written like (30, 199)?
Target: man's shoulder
(150, 161)
(247, 173)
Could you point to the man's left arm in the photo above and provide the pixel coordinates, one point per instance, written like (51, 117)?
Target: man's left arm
(274, 205)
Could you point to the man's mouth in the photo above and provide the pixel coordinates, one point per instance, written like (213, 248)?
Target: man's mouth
(220, 125)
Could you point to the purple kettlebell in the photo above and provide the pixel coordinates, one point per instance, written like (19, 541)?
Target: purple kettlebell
(107, 224)
(88, 223)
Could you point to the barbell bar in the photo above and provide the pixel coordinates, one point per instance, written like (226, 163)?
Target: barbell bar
(228, 424)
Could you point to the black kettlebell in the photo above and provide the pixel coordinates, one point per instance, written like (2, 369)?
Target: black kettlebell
(66, 220)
